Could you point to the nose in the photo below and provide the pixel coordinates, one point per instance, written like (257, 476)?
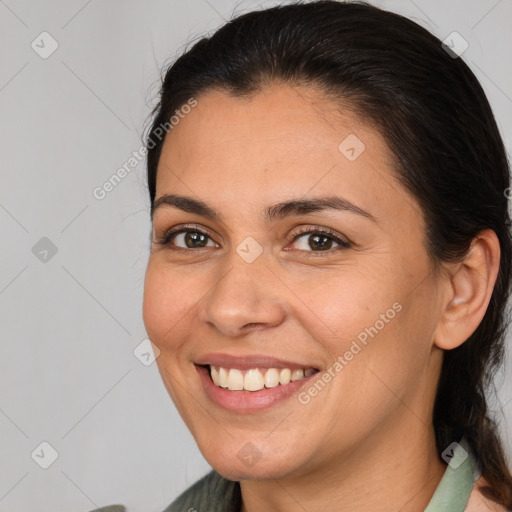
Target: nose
(244, 297)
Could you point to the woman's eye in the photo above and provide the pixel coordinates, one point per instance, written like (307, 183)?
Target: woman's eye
(187, 239)
(319, 241)
(313, 241)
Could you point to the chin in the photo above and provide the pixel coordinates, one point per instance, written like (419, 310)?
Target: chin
(251, 463)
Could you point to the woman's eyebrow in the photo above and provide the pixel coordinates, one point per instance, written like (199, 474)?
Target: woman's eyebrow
(271, 214)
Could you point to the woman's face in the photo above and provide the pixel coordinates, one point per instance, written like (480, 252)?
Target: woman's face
(362, 310)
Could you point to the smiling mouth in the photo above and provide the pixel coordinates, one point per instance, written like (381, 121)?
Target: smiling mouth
(255, 379)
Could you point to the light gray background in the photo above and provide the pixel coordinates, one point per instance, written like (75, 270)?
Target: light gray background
(69, 326)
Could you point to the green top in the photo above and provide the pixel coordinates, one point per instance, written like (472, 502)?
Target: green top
(222, 495)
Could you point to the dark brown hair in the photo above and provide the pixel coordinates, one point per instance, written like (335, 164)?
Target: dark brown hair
(436, 119)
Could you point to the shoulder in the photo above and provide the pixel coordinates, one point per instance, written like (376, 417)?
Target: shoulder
(219, 493)
(110, 508)
(480, 503)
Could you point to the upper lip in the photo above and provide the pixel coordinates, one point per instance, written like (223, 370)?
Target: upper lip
(249, 361)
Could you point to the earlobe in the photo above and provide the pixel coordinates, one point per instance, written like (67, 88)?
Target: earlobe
(469, 291)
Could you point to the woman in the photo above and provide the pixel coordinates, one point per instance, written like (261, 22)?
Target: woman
(330, 264)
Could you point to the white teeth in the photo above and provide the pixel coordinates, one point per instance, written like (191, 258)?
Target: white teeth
(235, 380)
(254, 379)
(223, 377)
(297, 374)
(285, 376)
(271, 378)
(215, 374)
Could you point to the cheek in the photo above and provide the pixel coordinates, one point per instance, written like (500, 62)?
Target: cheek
(339, 306)
(361, 321)
(165, 305)
(152, 304)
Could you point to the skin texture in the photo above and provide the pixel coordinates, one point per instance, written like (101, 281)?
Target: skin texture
(365, 442)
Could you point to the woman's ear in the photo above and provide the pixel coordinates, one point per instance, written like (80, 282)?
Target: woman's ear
(469, 288)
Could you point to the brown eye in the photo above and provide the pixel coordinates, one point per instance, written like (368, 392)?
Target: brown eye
(320, 240)
(187, 238)
(192, 239)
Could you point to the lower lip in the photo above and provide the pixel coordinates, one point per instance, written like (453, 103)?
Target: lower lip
(249, 401)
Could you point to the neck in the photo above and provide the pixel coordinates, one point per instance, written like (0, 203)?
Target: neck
(385, 475)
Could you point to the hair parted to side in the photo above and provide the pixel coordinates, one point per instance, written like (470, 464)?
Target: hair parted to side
(437, 122)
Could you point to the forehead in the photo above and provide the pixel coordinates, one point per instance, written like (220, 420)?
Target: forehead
(283, 141)
(287, 120)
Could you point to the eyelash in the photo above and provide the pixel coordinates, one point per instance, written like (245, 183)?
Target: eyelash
(343, 244)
